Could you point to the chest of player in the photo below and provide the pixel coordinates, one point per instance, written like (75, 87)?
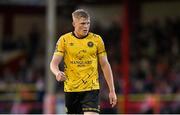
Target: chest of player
(81, 48)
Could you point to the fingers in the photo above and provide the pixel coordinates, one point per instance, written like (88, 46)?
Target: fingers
(113, 101)
(61, 76)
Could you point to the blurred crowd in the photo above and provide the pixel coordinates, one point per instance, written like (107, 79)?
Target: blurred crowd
(154, 61)
(154, 66)
(23, 75)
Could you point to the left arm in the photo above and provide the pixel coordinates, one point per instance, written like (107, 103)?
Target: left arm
(106, 68)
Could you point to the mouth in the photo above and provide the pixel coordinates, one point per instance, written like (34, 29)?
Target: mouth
(85, 30)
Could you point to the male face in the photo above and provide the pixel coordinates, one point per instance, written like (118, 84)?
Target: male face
(81, 26)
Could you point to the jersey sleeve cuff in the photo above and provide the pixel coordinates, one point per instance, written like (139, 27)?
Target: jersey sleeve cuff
(102, 53)
(59, 53)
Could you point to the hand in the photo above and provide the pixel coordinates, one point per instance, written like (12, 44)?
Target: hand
(113, 98)
(60, 76)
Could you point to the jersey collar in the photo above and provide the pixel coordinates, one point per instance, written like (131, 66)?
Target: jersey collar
(80, 37)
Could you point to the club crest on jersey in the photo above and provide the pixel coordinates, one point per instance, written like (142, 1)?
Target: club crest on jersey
(90, 44)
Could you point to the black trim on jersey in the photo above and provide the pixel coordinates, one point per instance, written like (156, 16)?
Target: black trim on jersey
(80, 37)
(56, 50)
(101, 52)
(60, 51)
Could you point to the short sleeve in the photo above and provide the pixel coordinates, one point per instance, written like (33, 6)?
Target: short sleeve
(101, 47)
(60, 47)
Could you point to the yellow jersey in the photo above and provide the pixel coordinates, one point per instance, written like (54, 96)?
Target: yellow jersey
(80, 61)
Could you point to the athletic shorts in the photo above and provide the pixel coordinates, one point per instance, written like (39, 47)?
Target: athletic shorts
(80, 102)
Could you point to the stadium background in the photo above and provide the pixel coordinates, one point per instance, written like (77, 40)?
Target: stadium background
(142, 41)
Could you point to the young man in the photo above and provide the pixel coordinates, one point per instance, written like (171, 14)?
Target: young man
(81, 51)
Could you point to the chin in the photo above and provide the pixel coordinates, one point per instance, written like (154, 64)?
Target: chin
(85, 33)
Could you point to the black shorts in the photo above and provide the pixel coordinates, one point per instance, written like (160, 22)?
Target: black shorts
(79, 102)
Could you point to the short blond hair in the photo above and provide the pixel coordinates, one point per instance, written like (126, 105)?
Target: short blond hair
(80, 13)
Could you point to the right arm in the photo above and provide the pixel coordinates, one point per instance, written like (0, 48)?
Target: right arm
(54, 66)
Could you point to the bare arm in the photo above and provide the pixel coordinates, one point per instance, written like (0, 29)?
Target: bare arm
(106, 68)
(54, 66)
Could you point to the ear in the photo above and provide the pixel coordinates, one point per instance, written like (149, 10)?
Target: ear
(73, 23)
